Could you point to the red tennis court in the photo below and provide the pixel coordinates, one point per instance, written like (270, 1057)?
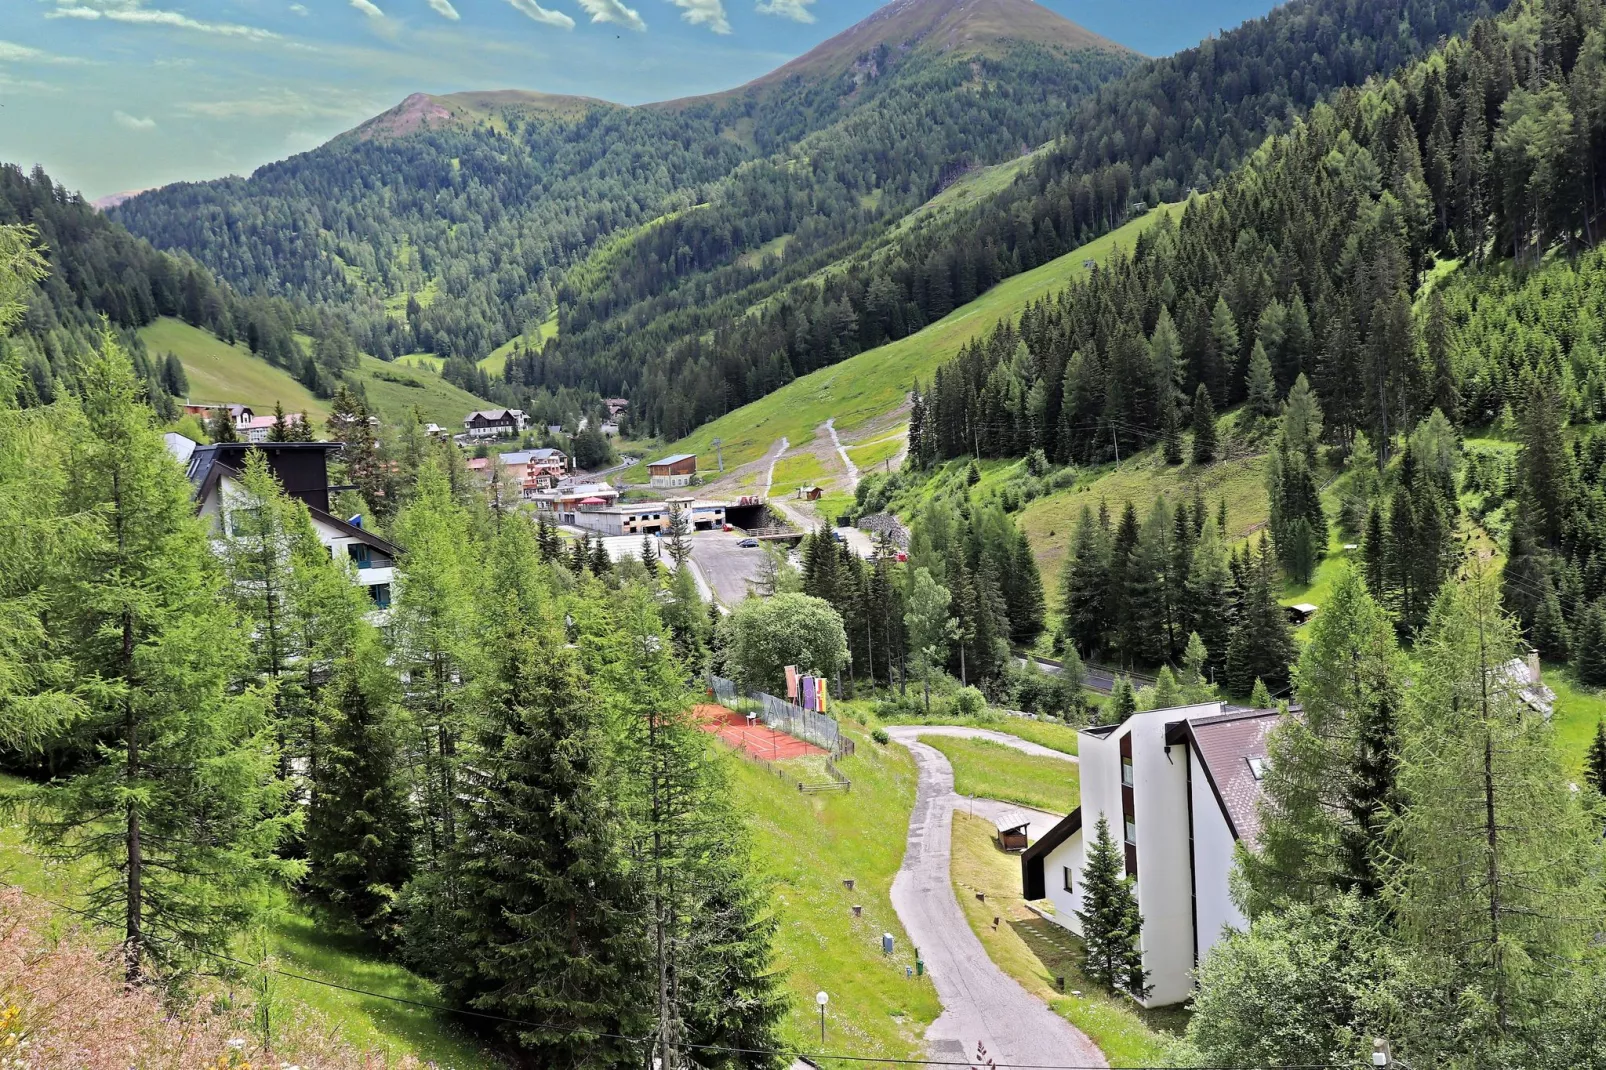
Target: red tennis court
(755, 737)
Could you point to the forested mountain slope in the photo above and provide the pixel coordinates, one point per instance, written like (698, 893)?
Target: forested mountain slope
(672, 332)
(472, 207)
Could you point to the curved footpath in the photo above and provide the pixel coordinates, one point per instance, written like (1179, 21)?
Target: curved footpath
(981, 1003)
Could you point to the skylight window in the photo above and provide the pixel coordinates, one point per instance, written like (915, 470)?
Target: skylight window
(1257, 767)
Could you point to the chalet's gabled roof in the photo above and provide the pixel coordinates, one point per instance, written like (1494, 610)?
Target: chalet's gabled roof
(671, 459)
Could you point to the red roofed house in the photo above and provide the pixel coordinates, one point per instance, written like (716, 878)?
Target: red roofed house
(1180, 788)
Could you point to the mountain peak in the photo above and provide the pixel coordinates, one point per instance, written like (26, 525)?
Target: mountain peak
(946, 26)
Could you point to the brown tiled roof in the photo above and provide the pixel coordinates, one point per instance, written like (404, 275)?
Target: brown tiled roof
(1225, 743)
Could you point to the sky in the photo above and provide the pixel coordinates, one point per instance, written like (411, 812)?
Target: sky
(113, 95)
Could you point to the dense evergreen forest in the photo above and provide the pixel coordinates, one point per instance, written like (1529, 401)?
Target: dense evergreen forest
(1165, 126)
(473, 226)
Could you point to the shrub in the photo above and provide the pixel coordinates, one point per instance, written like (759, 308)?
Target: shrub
(880, 736)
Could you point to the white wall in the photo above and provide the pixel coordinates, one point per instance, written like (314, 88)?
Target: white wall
(1160, 809)
(1066, 904)
(1213, 854)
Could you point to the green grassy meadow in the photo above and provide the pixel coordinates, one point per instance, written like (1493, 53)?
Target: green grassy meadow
(875, 382)
(495, 362)
(220, 372)
(991, 770)
(806, 845)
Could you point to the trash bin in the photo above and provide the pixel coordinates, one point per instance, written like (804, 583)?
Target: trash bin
(920, 967)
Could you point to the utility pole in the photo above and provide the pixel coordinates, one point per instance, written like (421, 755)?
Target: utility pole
(719, 453)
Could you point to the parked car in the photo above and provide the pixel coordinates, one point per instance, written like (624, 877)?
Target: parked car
(748, 543)
(837, 536)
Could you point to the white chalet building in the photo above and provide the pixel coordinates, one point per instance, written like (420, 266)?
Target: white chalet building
(1180, 788)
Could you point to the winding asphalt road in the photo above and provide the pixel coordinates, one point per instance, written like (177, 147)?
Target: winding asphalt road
(981, 1003)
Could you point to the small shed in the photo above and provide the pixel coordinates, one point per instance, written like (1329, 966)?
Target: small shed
(810, 494)
(1012, 831)
(1300, 613)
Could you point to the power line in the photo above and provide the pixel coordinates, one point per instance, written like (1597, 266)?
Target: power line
(815, 1057)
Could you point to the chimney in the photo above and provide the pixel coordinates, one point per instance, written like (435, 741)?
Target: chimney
(1533, 666)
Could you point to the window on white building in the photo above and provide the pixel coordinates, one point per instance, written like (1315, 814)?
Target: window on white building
(1126, 772)
(1131, 832)
(1067, 873)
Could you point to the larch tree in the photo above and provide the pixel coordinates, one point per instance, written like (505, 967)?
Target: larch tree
(175, 811)
(1204, 427)
(1329, 787)
(1490, 842)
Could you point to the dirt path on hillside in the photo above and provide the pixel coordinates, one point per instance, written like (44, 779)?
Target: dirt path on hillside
(853, 470)
(981, 1004)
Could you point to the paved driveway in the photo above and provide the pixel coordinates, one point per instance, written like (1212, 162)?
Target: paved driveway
(981, 1004)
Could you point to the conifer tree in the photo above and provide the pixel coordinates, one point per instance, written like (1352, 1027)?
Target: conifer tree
(1302, 421)
(1111, 925)
(1225, 344)
(1259, 696)
(280, 431)
(1260, 387)
(1204, 427)
(1550, 631)
(1261, 645)
(649, 555)
(1589, 645)
(175, 816)
(1493, 844)
(359, 827)
(220, 426)
(1083, 588)
(1123, 700)
(547, 922)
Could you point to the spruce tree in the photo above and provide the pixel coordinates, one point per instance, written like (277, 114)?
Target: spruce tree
(1204, 427)
(1550, 631)
(280, 431)
(1302, 420)
(1261, 644)
(1111, 925)
(1083, 588)
(1260, 387)
(220, 426)
(1589, 645)
(548, 913)
(1259, 696)
(1123, 701)
(175, 815)
(358, 825)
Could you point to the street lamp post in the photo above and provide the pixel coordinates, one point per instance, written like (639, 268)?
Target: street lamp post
(822, 999)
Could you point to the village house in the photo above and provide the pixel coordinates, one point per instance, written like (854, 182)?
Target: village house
(642, 518)
(565, 500)
(676, 470)
(494, 423)
(615, 406)
(1180, 788)
(302, 468)
(238, 413)
(258, 428)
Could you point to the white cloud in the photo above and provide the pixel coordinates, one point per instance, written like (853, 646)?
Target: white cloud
(444, 9)
(15, 53)
(704, 12)
(133, 11)
(615, 12)
(796, 10)
(541, 14)
(133, 122)
(283, 101)
(299, 9)
(368, 8)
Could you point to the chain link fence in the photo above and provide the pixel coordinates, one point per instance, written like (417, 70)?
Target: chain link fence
(782, 715)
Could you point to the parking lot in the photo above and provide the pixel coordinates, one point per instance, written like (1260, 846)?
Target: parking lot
(729, 568)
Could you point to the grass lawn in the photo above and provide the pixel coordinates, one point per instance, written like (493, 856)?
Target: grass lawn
(1579, 709)
(395, 391)
(219, 372)
(1035, 952)
(427, 361)
(302, 944)
(875, 382)
(876, 456)
(1054, 736)
(993, 771)
(807, 845)
(795, 470)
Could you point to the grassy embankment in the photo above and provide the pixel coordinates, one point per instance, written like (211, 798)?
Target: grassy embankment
(220, 372)
(991, 770)
(298, 942)
(807, 845)
(1035, 952)
(495, 362)
(1048, 734)
(873, 383)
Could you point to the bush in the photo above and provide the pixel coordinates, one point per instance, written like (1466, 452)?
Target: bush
(880, 736)
(969, 703)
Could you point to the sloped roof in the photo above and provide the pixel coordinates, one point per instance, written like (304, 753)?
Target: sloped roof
(1225, 744)
(1031, 861)
(671, 459)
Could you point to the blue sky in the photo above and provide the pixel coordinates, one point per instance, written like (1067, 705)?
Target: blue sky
(124, 94)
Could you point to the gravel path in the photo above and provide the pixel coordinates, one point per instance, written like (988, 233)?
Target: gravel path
(847, 462)
(981, 1004)
(905, 732)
